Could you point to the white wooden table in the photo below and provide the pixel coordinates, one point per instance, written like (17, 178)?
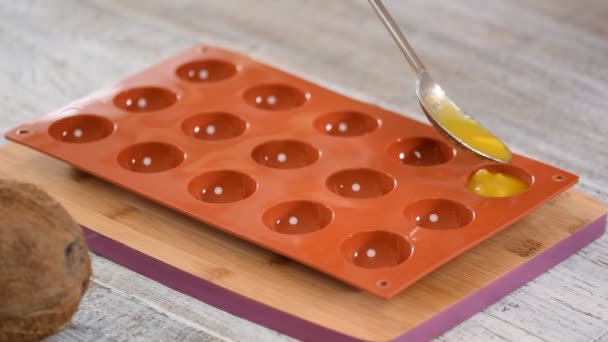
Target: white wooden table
(535, 72)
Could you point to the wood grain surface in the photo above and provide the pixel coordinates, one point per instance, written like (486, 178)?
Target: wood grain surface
(535, 72)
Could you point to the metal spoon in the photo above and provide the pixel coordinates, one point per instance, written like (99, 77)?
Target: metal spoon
(441, 111)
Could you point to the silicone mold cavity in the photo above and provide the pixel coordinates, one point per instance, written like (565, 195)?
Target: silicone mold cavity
(420, 151)
(275, 97)
(438, 214)
(82, 128)
(150, 157)
(376, 249)
(297, 217)
(206, 71)
(346, 124)
(508, 170)
(285, 154)
(145, 99)
(214, 126)
(224, 186)
(360, 183)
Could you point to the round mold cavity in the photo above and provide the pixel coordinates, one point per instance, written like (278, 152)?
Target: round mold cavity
(346, 124)
(421, 151)
(360, 183)
(496, 188)
(214, 126)
(297, 217)
(376, 249)
(82, 128)
(438, 214)
(285, 154)
(145, 99)
(275, 97)
(209, 70)
(223, 186)
(150, 157)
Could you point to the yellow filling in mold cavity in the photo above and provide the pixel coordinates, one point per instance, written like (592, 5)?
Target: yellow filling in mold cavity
(490, 184)
(469, 132)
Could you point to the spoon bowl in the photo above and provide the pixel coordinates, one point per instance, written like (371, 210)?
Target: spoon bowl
(441, 111)
(456, 125)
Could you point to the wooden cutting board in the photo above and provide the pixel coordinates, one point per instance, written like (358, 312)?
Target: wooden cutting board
(271, 290)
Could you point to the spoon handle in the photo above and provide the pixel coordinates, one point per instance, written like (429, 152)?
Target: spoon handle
(398, 36)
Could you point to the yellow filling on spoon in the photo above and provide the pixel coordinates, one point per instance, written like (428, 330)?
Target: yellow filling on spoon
(466, 130)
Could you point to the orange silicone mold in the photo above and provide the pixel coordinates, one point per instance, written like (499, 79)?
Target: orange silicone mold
(355, 191)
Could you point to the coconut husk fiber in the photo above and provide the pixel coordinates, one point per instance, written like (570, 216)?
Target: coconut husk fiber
(44, 263)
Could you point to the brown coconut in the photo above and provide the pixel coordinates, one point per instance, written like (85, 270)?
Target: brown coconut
(44, 264)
